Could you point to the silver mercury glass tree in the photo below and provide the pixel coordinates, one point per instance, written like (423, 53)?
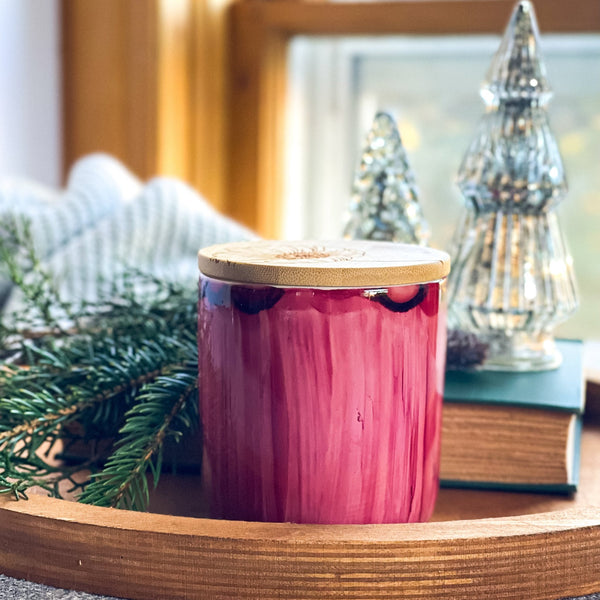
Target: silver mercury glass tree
(385, 203)
(512, 279)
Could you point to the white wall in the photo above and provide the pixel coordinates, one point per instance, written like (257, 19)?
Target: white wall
(30, 93)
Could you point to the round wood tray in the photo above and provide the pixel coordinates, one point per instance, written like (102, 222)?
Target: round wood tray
(480, 544)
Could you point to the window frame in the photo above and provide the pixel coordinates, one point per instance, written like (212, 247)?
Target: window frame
(203, 98)
(259, 34)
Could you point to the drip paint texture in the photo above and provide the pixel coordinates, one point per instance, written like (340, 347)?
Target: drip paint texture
(321, 406)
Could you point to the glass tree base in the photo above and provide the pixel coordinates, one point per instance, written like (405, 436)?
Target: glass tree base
(522, 352)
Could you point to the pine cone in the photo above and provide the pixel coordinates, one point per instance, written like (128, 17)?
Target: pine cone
(464, 350)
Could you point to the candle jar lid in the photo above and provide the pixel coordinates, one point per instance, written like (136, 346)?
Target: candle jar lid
(325, 264)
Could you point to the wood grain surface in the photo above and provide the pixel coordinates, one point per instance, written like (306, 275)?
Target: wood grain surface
(543, 556)
(333, 263)
(553, 553)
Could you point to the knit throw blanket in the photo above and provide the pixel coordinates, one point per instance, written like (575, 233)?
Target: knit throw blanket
(106, 222)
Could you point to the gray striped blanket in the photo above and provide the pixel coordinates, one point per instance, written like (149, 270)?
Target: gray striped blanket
(106, 221)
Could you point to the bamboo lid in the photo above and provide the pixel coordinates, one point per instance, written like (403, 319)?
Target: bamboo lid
(330, 264)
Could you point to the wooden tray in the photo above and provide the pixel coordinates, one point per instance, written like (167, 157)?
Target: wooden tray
(480, 545)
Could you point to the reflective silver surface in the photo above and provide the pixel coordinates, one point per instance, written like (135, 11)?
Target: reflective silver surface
(385, 203)
(512, 279)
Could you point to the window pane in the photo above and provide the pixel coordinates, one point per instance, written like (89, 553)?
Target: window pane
(431, 85)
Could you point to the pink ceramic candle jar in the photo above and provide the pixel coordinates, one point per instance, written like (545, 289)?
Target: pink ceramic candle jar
(321, 374)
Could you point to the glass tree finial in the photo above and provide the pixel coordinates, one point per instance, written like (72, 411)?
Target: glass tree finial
(385, 203)
(512, 277)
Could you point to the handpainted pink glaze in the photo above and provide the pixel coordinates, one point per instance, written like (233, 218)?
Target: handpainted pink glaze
(324, 406)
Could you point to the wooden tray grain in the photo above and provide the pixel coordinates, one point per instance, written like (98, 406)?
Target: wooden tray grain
(480, 545)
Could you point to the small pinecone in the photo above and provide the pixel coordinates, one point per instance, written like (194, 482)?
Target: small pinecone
(465, 350)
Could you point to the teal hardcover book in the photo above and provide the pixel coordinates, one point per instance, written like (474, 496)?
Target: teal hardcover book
(518, 431)
(559, 389)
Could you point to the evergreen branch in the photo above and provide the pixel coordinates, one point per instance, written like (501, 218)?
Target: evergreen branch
(56, 417)
(74, 373)
(167, 408)
(91, 380)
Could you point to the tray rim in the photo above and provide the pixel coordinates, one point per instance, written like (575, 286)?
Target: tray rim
(102, 551)
(67, 513)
